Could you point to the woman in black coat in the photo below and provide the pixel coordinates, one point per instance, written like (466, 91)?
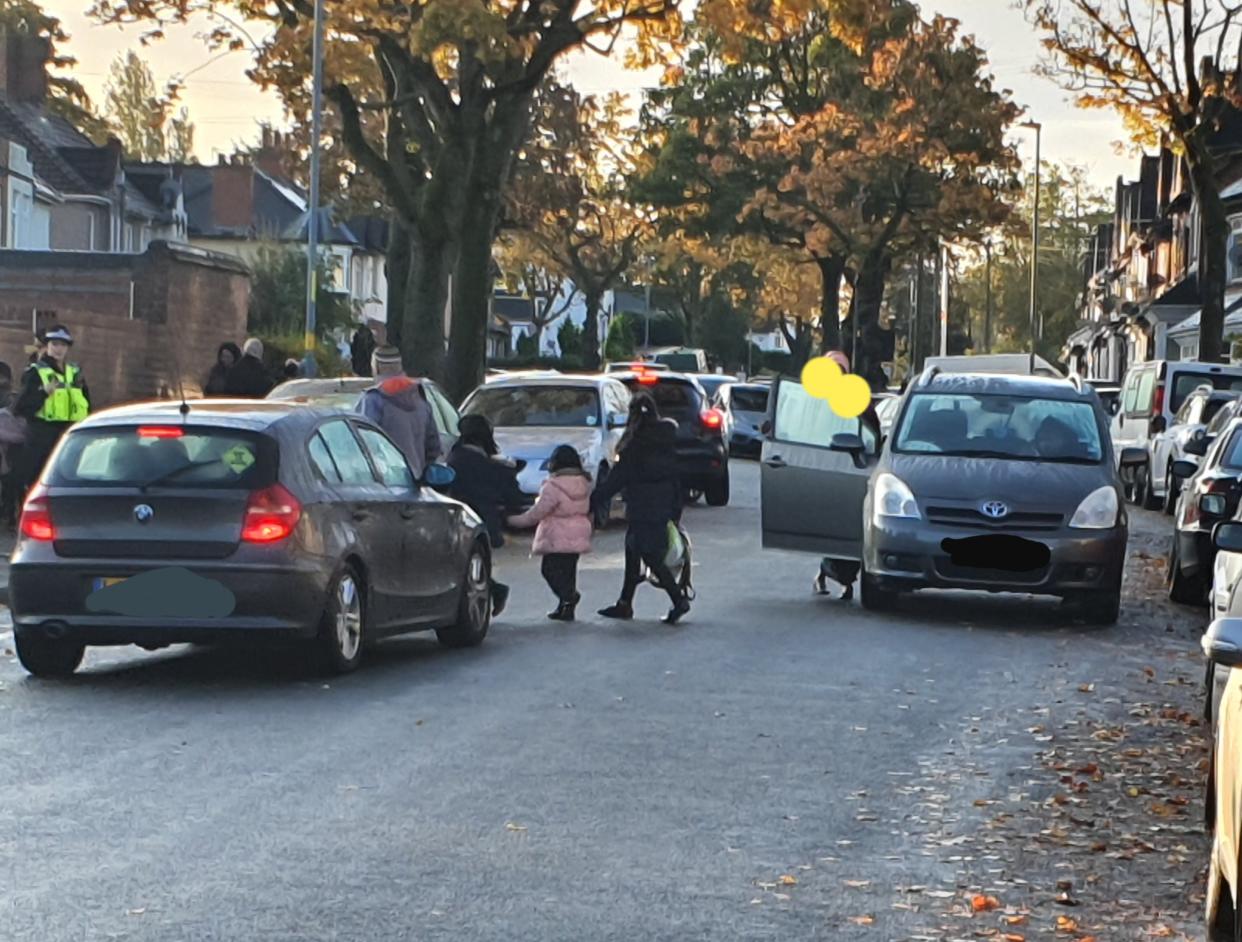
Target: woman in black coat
(486, 484)
(647, 474)
(217, 380)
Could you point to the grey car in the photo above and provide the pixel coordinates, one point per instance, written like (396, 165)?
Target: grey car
(240, 522)
(994, 482)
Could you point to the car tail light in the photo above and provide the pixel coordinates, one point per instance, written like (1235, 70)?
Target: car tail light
(712, 419)
(160, 431)
(648, 379)
(271, 515)
(36, 522)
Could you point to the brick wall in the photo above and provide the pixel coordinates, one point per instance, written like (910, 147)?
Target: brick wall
(140, 322)
(232, 196)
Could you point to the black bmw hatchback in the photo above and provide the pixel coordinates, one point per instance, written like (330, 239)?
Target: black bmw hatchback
(239, 522)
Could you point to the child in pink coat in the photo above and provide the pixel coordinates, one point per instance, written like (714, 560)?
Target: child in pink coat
(563, 515)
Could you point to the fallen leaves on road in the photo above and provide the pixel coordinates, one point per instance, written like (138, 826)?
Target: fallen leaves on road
(984, 904)
(863, 920)
(514, 826)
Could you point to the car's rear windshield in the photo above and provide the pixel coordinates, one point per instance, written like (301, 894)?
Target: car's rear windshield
(1186, 383)
(990, 425)
(166, 456)
(676, 399)
(749, 400)
(536, 406)
(320, 388)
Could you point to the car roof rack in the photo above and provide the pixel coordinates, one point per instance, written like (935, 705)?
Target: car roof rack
(929, 374)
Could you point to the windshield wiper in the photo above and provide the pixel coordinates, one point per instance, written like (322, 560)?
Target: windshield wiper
(176, 472)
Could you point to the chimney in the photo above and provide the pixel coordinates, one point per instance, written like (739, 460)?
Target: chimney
(23, 67)
(270, 158)
(232, 196)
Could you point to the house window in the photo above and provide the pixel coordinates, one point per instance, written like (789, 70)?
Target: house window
(1235, 249)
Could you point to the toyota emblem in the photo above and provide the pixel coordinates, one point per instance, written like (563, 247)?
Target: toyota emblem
(143, 513)
(996, 509)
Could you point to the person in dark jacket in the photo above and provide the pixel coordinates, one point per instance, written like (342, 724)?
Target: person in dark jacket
(53, 397)
(485, 483)
(217, 380)
(646, 472)
(360, 349)
(248, 379)
(398, 405)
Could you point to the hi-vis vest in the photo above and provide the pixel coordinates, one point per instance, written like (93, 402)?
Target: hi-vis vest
(66, 403)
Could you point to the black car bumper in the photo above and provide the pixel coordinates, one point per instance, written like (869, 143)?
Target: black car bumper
(745, 444)
(270, 602)
(1196, 556)
(916, 554)
(701, 462)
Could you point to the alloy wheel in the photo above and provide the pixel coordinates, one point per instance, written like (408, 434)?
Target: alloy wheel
(478, 592)
(348, 617)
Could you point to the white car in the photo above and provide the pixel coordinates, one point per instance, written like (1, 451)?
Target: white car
(533, 413)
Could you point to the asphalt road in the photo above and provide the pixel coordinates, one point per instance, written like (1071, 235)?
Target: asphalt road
(594, 781)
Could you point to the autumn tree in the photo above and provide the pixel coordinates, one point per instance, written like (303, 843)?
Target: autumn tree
(434, 100)
(66, 97)
(1167, 67)
(571, 204)
(142, 116)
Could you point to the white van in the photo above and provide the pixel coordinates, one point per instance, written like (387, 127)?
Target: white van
(1151, 395)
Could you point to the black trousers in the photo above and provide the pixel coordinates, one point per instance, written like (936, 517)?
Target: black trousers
(560, 571)
(640, 551)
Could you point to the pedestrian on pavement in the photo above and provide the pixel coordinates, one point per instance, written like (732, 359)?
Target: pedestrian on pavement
(53, 397)
(248, 378)
(360, 349)
(563, 515)
(398, 405)
(487, 484)
(227, 354)
(646, 471)
(292, 370)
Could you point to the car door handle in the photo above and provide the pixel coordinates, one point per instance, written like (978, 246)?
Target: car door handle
(776, 461)
(361, 512)
(409, 512)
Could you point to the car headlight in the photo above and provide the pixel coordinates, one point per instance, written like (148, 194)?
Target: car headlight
(1098, 510)
(894, 499)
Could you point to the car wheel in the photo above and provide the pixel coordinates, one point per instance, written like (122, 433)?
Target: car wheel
(48, 657)
(875, 598)
(1172, 487)
(1102, 608)
(1142, 489)
(1184, 589)
(1219, 911)
(718, 491)
(474, 610)
(342, 633)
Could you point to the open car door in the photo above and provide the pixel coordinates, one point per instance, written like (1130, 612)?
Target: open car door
(811, 497)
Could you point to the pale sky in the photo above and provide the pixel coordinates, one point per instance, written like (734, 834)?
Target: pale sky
(227, 109)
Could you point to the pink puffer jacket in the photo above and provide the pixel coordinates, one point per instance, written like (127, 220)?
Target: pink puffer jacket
(563, 512)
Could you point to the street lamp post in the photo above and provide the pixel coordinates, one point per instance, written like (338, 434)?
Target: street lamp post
(1037, 127)
(312, 203)
(987, 304)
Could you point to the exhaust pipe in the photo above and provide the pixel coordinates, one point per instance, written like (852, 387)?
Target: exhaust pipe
(55, 630)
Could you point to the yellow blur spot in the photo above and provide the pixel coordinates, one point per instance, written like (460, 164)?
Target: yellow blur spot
(820, 376)
(850, 396)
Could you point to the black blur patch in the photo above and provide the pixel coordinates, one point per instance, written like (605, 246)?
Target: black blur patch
(1001, 551)
(174, 592)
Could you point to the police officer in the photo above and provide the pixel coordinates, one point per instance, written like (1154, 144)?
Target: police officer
(53, 397)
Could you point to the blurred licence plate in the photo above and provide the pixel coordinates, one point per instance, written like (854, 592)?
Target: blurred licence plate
(102, 582)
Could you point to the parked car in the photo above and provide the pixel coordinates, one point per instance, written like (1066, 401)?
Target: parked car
(701, 452)
(886, 411)
(240, 522)
(681, 359)
(713, 383)
(1211, 494)
(533, 413)
(344, 392)
(997, 483)
(1016, 363)
(1109, 393)
(1189, 425)
(746, 405)
(1151, 395)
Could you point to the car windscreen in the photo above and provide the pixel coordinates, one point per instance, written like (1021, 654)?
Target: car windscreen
(749, 400)
(1212, 408)
(993, 425)
(536, 406)
(192, 457)
(1186, 383)
(675, 399)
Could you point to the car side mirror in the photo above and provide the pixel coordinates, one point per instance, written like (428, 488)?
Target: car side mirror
(1222, 642)
(1198, 444)
(1133, 457)
(438, 476)
(1227, 537)
(766, 428)
(1184, 469)
(851, 444)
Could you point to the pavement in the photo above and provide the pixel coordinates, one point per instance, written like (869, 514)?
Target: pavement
(781, 766)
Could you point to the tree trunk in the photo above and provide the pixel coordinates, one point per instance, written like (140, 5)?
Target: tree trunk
(831, 268)
(426, 294)
(799, 345)
(868, 298)
(397, 273)
(472, 291)
(1213, 259)
(590, 337)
